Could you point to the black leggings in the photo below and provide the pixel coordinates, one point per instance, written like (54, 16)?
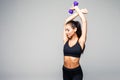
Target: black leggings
(72, 74)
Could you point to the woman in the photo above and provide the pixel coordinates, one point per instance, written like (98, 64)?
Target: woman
(74, 44)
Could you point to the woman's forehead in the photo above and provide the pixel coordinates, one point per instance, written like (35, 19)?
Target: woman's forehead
(68, 26)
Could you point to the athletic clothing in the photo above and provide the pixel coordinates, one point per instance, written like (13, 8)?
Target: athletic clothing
(74, 51)
(74, 73)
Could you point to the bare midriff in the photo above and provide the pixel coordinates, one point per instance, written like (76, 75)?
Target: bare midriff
(71, 62)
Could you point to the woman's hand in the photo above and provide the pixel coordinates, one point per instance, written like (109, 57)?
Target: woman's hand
(84, 11)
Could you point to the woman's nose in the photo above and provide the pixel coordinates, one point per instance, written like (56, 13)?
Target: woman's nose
(66, 32)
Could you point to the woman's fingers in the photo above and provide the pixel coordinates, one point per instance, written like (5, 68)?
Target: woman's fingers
(85, 11)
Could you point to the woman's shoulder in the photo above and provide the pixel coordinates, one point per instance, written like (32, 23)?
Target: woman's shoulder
(64, 41)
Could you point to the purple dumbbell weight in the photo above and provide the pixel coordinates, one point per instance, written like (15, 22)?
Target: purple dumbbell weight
(75, 4)
(70, 11)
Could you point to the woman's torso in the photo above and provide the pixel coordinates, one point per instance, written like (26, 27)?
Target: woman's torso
(71, 62)
(72, 55)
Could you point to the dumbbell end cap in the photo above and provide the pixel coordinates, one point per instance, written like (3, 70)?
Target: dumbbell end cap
(75, 3)
(70, 11)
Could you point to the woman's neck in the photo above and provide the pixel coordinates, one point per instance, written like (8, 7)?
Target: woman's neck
(74, 37)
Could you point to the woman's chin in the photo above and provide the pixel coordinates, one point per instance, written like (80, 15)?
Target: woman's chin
(69, 37)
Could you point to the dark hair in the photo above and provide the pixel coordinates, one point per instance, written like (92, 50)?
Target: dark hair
(76, 24)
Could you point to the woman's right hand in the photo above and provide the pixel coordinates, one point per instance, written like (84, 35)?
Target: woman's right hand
(84, 11)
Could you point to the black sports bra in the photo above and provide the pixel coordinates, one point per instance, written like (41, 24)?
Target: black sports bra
(74, 51)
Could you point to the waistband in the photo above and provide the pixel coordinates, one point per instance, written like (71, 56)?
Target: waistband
(73, 69)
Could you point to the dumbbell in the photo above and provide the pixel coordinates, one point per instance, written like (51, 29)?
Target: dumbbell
(75, 4)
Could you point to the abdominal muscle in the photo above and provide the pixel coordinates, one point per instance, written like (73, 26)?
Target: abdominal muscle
(71, 62)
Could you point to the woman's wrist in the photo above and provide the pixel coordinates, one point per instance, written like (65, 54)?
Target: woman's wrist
(77, 9)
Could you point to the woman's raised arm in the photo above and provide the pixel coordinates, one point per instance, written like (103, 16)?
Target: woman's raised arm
(71, 17)
(83, 37)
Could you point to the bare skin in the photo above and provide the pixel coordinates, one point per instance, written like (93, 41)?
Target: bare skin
(69, 61)
(70, 34)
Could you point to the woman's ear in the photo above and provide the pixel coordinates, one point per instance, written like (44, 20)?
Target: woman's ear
(75, 29)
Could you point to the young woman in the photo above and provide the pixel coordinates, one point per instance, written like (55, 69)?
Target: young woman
(75, 35)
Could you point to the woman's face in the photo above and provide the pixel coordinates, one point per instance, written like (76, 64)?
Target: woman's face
(69, 30)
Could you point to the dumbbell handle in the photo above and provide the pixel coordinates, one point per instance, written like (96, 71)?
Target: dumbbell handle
(75, 4)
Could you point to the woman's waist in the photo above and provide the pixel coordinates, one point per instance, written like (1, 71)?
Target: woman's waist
(71, 63)
(70, 66)
(70, 59)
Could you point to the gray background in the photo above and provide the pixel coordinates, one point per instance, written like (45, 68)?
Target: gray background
(31, 39)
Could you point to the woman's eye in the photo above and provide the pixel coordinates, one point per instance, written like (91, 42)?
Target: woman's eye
(66, 30)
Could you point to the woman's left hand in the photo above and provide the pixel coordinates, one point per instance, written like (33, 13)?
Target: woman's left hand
(84, 11)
